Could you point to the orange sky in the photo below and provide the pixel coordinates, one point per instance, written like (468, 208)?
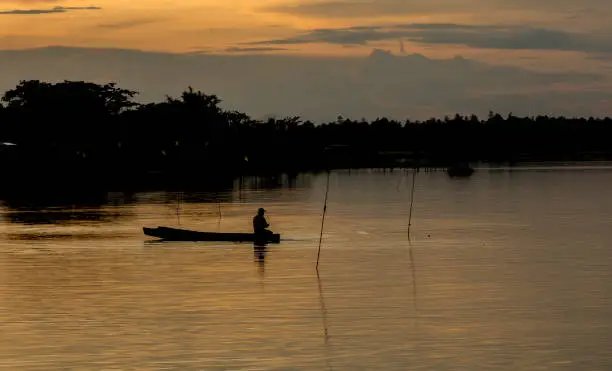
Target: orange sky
(510, 49)
(151, 25)
(163, 25)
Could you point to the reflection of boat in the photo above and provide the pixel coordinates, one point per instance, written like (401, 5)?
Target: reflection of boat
(460, 170)
(174, 234)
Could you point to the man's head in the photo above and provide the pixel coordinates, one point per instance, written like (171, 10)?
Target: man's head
(261, 211)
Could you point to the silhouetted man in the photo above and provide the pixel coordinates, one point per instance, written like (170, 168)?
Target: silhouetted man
(260, 224)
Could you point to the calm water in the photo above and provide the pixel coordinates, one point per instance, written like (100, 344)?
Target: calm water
(506, 270)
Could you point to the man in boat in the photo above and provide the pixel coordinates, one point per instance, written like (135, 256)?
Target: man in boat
(260, 224)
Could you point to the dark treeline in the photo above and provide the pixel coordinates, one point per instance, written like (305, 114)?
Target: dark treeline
(85, 128)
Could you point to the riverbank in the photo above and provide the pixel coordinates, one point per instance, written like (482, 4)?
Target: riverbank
(90, 133)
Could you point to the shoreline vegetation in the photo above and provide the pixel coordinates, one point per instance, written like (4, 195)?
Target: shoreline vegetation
(95, 135)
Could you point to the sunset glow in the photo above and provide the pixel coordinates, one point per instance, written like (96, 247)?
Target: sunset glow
(436, 45)
(197, 25)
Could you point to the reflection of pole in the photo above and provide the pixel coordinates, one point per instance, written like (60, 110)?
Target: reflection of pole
(323, 309)
(324, 318)
(414, 289)
(323, 220)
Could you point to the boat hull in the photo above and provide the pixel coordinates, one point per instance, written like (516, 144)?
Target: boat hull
(175, 234)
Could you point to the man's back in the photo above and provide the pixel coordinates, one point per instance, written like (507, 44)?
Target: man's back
(259, 223)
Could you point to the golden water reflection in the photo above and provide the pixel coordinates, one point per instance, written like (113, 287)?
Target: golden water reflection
(496, 278)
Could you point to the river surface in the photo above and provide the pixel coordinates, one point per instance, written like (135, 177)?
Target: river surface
(505, 270)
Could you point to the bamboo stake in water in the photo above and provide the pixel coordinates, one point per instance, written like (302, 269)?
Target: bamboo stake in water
(323, 220)
(178, 207)
(414, 171)
(218, 203)
(219, 210)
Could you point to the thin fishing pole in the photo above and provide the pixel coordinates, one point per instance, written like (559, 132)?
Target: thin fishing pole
(323, 220)
(414, 171)
(178, 206)
(179, 199)
(399, 183)
(219, 220)
(218, 203)
(414, 289)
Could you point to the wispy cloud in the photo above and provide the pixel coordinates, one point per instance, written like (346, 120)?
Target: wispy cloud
(128, 23)
(376, 8)
(358, 9)
(509, 37)
(253, 49)
(57, 9)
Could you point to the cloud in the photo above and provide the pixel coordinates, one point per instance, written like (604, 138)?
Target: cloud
(253, 49)
(511, 37)
(321, 88)
(29, 1)
(358, 9)
(342, 36)
(128, 24)
(394, 8)
(57, 9)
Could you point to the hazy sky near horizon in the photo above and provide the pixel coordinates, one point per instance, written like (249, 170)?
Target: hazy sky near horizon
(564, 37)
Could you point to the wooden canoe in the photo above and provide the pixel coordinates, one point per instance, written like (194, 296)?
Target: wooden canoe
(174, 234)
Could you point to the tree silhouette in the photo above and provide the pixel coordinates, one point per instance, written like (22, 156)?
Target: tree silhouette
(69, 97)
(87, 128)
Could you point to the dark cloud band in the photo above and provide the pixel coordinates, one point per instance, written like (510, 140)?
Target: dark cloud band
(57, 9)
(509, 37)
(375, 8)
